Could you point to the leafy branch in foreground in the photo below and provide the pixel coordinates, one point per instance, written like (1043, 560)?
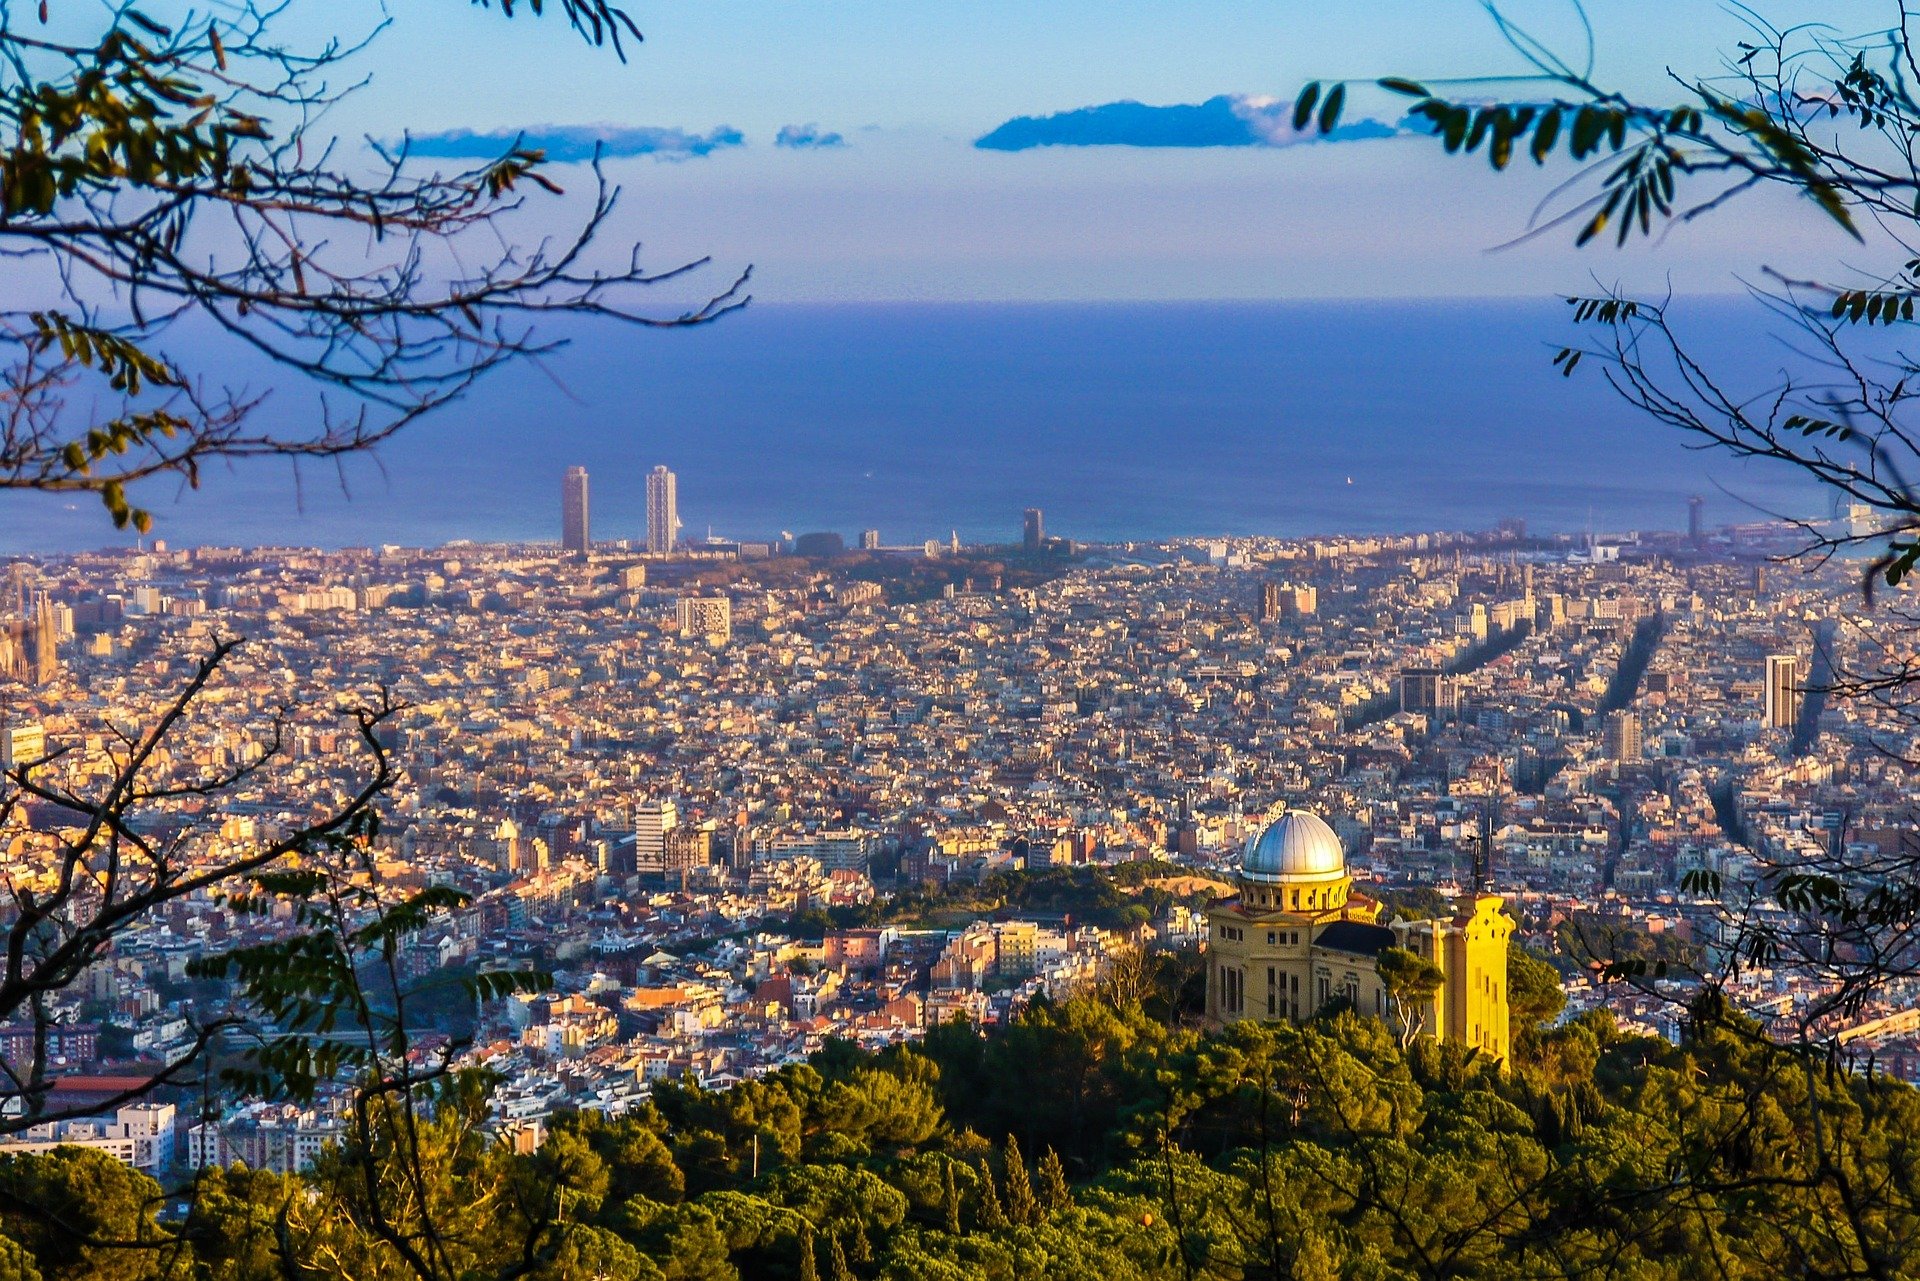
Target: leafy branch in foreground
(93, 865)
(155, 174)
(1832, 118)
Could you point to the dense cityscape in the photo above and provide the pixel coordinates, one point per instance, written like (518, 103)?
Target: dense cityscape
(740, 799)
(918, 643)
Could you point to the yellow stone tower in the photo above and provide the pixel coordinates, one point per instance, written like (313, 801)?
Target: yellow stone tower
(1298, 937)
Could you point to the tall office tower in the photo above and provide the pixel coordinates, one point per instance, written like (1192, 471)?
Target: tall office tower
(1033, 529)
(869, 540)
(1759, 581)
(1782, 693)
(1269, 602)
(1427, 689)
(1622, 736)
(663, 511)
(1696, 520)
(652, 820)
(573, 511)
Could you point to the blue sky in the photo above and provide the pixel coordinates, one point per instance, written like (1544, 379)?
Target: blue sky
(719, 118)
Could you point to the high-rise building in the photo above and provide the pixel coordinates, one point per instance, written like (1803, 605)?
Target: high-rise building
(652, 820)
(1287, 600)
(1781, 697)
(709, 617)
(663, 511)
(1622, 736)
(869, 540)
(1427, 689)
(573, 512)
(1696, 520)
(1033, 530)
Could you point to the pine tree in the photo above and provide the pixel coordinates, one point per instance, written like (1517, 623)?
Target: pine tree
(992, 1217)
(809, 1270)
(841, 1272)
(1021, 1206)
(952, 1192)
(862, 1251)
(1055, 1193)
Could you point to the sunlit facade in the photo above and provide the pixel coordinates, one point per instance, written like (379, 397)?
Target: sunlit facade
(1297, 938)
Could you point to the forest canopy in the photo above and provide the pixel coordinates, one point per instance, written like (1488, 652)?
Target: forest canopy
(1087, 1139)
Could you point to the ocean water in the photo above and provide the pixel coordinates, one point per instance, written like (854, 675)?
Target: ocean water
(1121, 421)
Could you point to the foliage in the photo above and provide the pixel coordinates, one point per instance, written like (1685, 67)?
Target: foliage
(1261, 1150)
(154, 172)
(1116, 897)
(1411, 982)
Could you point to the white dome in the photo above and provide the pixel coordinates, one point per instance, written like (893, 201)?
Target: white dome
(1296, 847)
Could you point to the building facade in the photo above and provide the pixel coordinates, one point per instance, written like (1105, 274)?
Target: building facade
(1033, 529)
(663, 511)
(1781, 705)
(574, 533)
(1622, 737)
(1297, 938)
(139, 1134)
(707, 617)
(1429, 690)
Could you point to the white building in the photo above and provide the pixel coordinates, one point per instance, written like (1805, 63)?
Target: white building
(277, 1137)
(709, 617)
(140, 1135)
(652, 820)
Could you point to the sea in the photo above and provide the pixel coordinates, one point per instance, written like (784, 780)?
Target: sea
(921, 421)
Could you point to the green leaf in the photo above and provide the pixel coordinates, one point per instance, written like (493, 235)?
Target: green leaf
(1303, 105)
(1330, 109)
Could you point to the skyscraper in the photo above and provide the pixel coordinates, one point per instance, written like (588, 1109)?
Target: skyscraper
(1429, 690)
(1782, 693)
(1033, 530)
(573, 511)
(1696, 520)
(663, 511)
(652, 820)
(1622, 736)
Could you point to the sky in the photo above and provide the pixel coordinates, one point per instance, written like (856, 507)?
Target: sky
(999, 151)
(834, 146)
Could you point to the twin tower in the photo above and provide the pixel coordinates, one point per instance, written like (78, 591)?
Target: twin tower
(1297, 938)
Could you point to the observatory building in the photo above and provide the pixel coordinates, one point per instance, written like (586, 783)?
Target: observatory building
(1298, 938)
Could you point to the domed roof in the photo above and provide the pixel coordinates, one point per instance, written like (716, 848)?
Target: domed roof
(1295, 847)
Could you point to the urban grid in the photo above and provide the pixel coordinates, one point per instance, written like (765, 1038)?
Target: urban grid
(741, 798)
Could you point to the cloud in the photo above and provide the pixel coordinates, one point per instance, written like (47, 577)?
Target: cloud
(804, 136)
(568, 144)
(1230, 120)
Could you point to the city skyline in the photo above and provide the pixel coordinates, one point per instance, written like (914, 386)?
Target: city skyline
(1217, 701)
